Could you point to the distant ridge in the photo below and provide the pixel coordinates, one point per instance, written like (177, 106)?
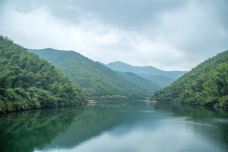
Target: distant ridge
(159, 77)
(97, 79)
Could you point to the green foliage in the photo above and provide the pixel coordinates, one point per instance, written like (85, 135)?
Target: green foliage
(28, 82)
(207, 84)
(97, 79)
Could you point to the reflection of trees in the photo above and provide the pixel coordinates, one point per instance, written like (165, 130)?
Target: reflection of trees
(93, 121)
(90, 123)
(214, 121)
(66, 127)
(24, 131)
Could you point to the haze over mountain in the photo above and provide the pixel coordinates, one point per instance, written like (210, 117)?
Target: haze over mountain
(159, 77)
(97, 79)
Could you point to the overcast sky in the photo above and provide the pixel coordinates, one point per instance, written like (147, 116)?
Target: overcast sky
(168, 34)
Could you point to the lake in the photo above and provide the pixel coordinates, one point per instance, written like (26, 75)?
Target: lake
(119, 127)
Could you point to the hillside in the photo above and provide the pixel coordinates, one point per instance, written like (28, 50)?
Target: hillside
(140, 81)
(159, 77)
(27, 82)
(207, 84)
(98, 80)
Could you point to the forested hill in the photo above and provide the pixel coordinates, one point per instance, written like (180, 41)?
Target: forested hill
(159, 77)
(145, 84)
(96, 78)
(28, 82)
(207, 84)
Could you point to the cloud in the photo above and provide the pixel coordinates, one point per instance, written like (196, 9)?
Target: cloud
(193, 27)
(172, 35)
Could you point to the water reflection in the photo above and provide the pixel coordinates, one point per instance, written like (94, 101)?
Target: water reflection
(24, 131)
(116, 127)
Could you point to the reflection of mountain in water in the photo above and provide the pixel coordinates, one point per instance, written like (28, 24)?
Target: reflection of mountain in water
(90, 123)
(69, 127)
(24, 131)
(63, 128)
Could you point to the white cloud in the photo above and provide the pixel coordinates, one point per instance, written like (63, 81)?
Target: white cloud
(180, 38)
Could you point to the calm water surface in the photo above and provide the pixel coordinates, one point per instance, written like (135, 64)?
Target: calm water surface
(123, 127)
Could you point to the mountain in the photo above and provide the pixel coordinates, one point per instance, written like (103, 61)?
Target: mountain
(97, 79)
(140, 81)
(28, 82)
(206, 85)
(159, 77)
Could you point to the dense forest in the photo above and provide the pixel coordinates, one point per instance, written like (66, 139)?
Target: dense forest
(206, 85)
(28, 82)
(156, 76)
(97, 79)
